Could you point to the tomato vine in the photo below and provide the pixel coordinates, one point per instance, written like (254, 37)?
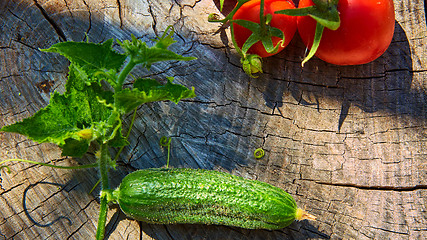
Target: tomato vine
(341, 32)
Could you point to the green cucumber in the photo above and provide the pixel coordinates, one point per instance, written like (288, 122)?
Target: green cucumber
(196, 196)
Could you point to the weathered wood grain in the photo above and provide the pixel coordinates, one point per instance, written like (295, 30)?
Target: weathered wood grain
(349, 143)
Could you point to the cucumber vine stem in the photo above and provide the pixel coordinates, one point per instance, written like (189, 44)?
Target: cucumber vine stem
(120, 149)
(104, 158)
(123, 74)
(103, 170)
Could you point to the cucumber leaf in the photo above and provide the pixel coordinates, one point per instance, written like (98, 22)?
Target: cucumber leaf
(88, 111)
(99, 61)
(62, 119)
(67, 115)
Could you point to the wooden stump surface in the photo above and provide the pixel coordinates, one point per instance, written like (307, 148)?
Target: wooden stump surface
(349, 143)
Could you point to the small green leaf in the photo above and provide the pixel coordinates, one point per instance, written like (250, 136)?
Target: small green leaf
(91, 94)
(268, 45)
(297, 11)
(142, 54)
(252, 26)
(173, 92)
(166, 39)
(258, 35)
(149, 90)
(255, 37)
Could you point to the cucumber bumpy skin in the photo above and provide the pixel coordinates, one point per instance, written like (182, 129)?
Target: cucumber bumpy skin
(196, 196)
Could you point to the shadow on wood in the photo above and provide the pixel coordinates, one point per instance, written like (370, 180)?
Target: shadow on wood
(382, 85)
(296, 231)
(41, 222)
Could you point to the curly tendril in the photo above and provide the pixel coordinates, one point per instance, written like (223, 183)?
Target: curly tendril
(259, 153)
(165, 141)
(7, 168)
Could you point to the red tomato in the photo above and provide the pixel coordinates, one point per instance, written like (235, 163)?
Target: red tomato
(366, 30)
(250, 11)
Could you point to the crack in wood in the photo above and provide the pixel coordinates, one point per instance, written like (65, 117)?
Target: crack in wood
(55, 26)
(25, 44)
(13, 14)
(83, 209)
(10, 189)
(387, 230)
(119, 6)
(90, 18)
(379, 188)
(153, 16)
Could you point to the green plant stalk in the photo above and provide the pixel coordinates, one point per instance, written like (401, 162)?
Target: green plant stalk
(123, 74)
(262, 17)
(166, 142)
(45, 164)
(103, 170)
(127, 135)
(104, 159)
(169, 154)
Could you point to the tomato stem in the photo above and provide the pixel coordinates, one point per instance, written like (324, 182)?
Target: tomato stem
(262, 22)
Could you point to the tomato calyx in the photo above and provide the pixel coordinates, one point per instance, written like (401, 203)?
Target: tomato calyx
(261, 32)
(326, 14)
